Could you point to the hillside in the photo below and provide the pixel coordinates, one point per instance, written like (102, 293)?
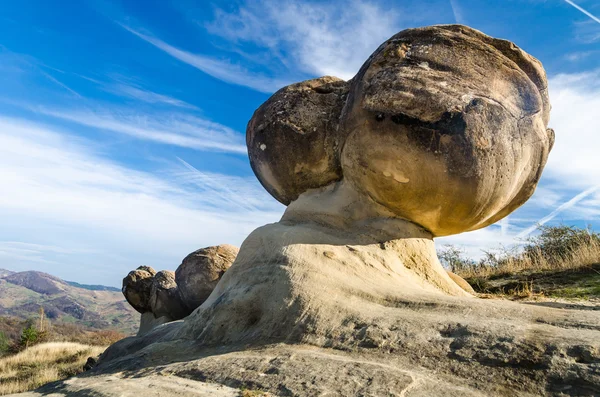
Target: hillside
(23, 293)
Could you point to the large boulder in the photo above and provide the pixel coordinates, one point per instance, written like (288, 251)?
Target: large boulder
(443, 126)
(200, 272)
(293, 140)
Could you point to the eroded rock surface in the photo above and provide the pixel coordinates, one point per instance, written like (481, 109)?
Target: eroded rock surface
(166, 296)
(137, 287)
(200, 272)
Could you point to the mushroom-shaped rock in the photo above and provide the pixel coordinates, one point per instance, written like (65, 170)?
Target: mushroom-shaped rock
(292, 138)
(164, 297)
(443, 130)
(137, 286)
(200, 272)
(442, 126)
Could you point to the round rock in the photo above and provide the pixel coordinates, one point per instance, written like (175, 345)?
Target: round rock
(164, 297)
(137, 286)
(446, 127)
(200, 272)
(292, 138)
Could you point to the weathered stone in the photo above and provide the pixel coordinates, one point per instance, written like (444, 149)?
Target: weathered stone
(461, 282)
(292, 138)
(446, 127)
(164, 297)
(200, 272)
(137, 286)
(148, 321)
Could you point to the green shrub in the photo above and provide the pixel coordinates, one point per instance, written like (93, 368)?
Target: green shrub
(29, 336)
(4, 344)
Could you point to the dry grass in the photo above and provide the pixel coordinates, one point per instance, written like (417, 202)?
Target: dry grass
(42, 364)
(582, 257)
(560, 262)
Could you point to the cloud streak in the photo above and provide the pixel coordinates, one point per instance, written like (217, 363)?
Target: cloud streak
(166, 128)
(563, 207)
(219, 69)
(58, 192)
(589, 14)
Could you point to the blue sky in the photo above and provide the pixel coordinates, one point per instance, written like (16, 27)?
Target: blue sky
(122, 122)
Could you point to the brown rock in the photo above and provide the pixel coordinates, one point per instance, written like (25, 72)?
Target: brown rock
(446, 127)
(137, 286)
(200, 272)
(164, 297)
(292, 138)
(461, 282)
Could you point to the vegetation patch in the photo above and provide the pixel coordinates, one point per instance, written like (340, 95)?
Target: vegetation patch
(43, 363)
(560, 262)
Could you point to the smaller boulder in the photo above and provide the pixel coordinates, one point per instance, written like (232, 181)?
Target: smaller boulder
(164, 297)
(137, 286)
(200, 272)
(461, 282)
(90, 363)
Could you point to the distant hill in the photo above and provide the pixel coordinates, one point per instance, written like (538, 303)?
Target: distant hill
(94, 287)
(94, 306)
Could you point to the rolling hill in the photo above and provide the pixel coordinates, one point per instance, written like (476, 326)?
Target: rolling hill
(98, 307)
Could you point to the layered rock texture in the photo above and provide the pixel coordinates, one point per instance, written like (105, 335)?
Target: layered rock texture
(443, 130)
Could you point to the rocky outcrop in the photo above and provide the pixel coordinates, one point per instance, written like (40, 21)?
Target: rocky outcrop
(166, 296)
(443, 130)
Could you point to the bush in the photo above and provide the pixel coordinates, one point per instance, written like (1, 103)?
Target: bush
(4, 344)
(557, 243)
(454, 259)
(29, 336)
(554, 248)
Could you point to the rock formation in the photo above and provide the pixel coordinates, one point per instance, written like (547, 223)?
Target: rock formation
(137, 286)
(168, 296)
(200, 272)
(443, 130)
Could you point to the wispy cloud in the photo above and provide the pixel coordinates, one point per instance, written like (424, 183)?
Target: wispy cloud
(589, 14)
(220, 69)
(563, 207)
(167, 128)
(61, 84)
(318, 39)
(146, 95)
(57, 191)
(457, 11)
(579, 55)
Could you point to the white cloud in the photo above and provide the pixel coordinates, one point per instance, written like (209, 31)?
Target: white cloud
(73, 213)
(220, 69)
(146, 95)
(318, 39)
(574, 161)
(163, 127)
(457, 11)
